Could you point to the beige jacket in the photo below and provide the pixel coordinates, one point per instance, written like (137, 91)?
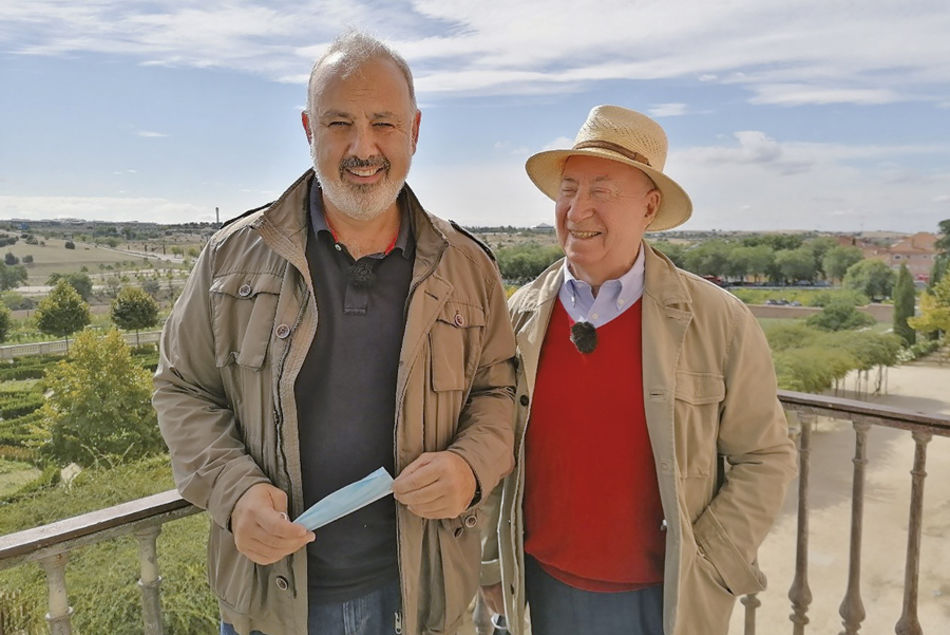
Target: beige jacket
(709, 391)
(230, 353)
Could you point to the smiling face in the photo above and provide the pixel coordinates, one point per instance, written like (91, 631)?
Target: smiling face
(602, 209)
(363, 130)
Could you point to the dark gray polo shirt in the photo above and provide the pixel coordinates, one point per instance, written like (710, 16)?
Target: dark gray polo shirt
(346, 402)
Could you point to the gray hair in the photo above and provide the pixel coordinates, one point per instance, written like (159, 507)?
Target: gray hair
(350, 51)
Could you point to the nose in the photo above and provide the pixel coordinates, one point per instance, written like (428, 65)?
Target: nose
(579, 206)
(363, 141)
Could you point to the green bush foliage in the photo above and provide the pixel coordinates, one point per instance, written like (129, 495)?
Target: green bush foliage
(839, 316)
(99, 404)
(810, 360)
(523, 263)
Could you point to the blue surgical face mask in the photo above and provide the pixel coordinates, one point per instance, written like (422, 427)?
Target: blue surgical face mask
(347, 500)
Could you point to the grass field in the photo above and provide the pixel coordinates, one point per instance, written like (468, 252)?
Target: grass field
(14, 475)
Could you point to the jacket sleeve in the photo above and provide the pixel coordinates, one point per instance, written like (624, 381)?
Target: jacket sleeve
(485, 436)
(209, 462)
(753, 437)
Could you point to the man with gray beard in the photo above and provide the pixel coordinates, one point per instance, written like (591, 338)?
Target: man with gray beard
(335, 331)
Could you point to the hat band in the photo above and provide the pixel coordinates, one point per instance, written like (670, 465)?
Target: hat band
(613, 147)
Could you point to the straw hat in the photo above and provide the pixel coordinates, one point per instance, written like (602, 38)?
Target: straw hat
(625, 136)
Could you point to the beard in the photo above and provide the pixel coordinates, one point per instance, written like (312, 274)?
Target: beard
(359, 202)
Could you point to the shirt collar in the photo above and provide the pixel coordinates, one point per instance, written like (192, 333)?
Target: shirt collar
(613, 297)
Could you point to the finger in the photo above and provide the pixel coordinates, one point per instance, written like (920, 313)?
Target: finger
(423, 495)
(279, 525)
(421, 477)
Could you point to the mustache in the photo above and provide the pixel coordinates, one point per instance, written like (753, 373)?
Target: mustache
(378, 161)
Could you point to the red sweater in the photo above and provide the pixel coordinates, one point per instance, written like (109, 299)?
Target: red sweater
(592, 504)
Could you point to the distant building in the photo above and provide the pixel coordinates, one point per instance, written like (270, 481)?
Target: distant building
(917, 251)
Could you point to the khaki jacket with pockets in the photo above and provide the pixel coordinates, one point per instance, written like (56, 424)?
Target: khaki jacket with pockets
(709, 391)
(231, 352)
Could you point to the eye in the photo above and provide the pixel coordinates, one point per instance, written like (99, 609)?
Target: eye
(337, 123)
(383, 124)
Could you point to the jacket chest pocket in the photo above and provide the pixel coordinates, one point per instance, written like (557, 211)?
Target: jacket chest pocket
(454, 342)
(696, 417)
(243, 307)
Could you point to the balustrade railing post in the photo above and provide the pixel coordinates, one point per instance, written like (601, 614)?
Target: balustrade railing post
(800, 593)
(59, 609)
(852, 608)
(909, 624)
(151, 581)
(751, 602)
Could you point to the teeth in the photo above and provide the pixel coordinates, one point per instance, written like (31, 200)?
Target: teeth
(577, 234)
(364, 171)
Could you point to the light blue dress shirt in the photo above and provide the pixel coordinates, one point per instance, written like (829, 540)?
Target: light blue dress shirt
(613, 298)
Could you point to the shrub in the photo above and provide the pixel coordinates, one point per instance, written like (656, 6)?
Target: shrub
(99, 406)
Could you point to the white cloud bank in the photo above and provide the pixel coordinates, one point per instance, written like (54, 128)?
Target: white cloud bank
(791, 53)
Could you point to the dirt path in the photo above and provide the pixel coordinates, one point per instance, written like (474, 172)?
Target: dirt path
(886, 507)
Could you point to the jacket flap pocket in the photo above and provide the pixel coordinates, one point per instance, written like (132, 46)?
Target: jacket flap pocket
(243, 309)
(462, 315)
(699, 388)
(453, 336)
(246, 285)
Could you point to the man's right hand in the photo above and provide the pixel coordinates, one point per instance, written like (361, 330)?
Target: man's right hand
(261, 529)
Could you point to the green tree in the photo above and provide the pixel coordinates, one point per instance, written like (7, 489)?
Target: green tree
(11, 277)
(934, 309)
(873, 278)
(5, 321)
(62, 312)
(133, 310)
(99, 403)
(81, 282)
(674, 251)
(707, 259)
(837, 260)
(518, 264)
(10, 260)
(819, 247)
(839, 316)
(796, 264)
(904, 298)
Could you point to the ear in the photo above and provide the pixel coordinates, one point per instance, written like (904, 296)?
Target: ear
(305, 120)
(654, 198)
(415, 129)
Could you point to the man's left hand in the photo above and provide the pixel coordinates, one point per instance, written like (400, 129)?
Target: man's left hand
(436, 485)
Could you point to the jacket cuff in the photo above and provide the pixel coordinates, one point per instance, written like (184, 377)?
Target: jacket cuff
(490, 573)
(230, 485)
(739, 576)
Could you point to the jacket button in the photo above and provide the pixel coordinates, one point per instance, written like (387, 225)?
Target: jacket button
(282, 331)
(471, 520)
(665, 466)
(245, 290)
(524, 400)
(459, 320)
(282, 583)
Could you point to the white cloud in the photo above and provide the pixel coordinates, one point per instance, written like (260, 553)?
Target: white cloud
(560, 143)
(103, 208)
(795, 52)
(150, 134)
(668, 110)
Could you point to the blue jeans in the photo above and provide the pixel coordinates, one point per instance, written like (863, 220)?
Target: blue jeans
(560, 609)
(376, 613)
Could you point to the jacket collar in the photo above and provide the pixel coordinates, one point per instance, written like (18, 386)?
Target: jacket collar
(283, 225)
(662, 284)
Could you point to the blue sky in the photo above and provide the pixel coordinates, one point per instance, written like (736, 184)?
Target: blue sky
(781, 114)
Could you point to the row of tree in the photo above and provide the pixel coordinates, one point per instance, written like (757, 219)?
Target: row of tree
(64, 311)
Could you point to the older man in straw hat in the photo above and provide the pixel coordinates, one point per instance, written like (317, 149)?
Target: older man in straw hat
(652, 452)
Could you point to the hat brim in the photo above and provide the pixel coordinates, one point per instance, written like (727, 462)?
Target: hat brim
(545, 168)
